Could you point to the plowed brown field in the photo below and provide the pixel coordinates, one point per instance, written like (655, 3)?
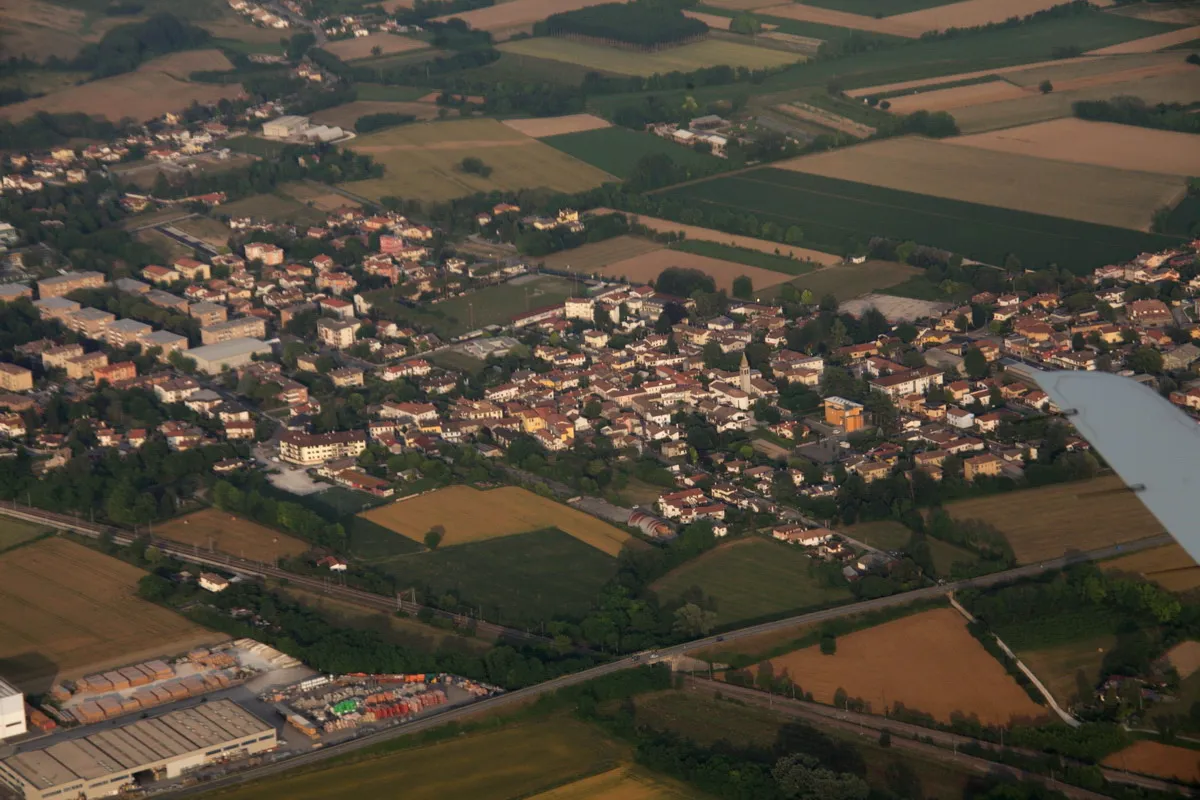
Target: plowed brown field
(1159, 760)
(231, 534)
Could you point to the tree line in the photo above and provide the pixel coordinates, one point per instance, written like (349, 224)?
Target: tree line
(1136, 111)
(642, 23)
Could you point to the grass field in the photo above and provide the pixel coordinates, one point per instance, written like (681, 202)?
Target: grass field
(15, 532)
(422, 161)
(918, 661)
(836, 214)
(208, 230)
(345, 115)
(516, 67)
(1070, 671)
(168, 249)
(518, 761)
(362, 47)
(870, 8)
(847, 281)
(742, 255)
(315, 195)
(220, 530)
(1170, 567)
(648, 266)
(684, 58)
(1157, 759)
(751, 579)
(272, 208)
(1087, 192)
(598, 255)
(67, 610)
(1053, 520)
(617, 151)
(891, 535)
(471, 515)
(522, 579)
(391, 94)
(622, 783)
(493, 305)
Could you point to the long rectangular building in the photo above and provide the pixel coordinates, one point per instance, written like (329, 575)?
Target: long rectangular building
(111, 759)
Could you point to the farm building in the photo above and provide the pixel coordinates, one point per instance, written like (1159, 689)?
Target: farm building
(105, 762)
(12, 711)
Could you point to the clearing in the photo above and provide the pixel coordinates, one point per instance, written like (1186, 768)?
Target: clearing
(1070, 671)
(206, 229)
(541, 127)
(1084, 192)
(752, 579)
(647, 267)
(15, 532)
(39, 30)
(471, 515)
(156, 87)
(364, 46)
(1106, 144)
(617, 151)
(918, 661)
(214, 529)
(847, 281)
(68, 610)
(589, 258)
(1169, 566)
(1157, 759)
(683, 58)
(423, 161)
(345, 115)
(1067, 517)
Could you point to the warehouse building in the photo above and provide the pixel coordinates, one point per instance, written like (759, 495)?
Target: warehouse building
(139, 753)
(12, 711)
(212, 358)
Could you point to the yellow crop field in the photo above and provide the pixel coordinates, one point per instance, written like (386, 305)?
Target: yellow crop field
(471, 515)
(685, 58)
(227, 533)
(622, 783)
(1053, 520)
(66, 610)
(1169, 566)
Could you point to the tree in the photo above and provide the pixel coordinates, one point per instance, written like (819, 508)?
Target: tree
(743, 287)
(976, 363)
(801, 776)
(806, 297)
(691, 620)
(1145, 359)
(376, 51)
(1046, 87)
(828, 645)
(746, 24)
(433, 537)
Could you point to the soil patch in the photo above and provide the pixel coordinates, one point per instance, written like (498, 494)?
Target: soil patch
(1159, 760)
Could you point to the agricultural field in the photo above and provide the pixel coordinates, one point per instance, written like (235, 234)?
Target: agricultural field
(891, 535)
(872, 8)
(752, 579)
(1169, 566)
(422, 161)
(38, 30)
(847, 281)
(1185, 658)
(1084, 192)
(918, 661)
(1067, 517)
(492, 765)
(390, 94)
(839, 19)
(16, 532)
(542, 127)
(1106, 144)
(955, 97)
(157, 86)
(1070, 670)
(1150, 44)
(470, 515)
(683, 58)
(622, 783)
(837, 214)
(1157, 759)
(67, 610)
(647, 267)
(504, 18)
(345, 115)
(970, 13)
(520, 579)
(219, 530)
(592, 257)
(361, 47)
(314, 195)
(733, 240)
(617, 151)
(493, 305)
(751, 258)
(272, 208)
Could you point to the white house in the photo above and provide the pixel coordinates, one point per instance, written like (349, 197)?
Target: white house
(213, 582)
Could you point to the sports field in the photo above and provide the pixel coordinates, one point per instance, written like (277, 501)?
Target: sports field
(648, 266)
(1070, 671)
(1158, 759)
(471, 515)
(1086, 192)
(1107, 144)
(592, 257)
(361, 47)
(837, 214)
(1169, 566)
(157, 86)
(15, 532)
(919, 661)
(617, 151)
(227, 533)
(423, 161)
(751, 579)
(66, 610)
(684, 58)
(518, 761)
(1053, 520)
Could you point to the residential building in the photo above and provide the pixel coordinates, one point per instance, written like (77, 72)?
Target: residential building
(338, 333)
(83, 366)
(15, 379)
(123, 332)
(308, 449)
(986, 464)
(268, 254)
(213, 582)
(844, 414)
(120, 371)
(208, 314)
(60, 285)
(239, 328)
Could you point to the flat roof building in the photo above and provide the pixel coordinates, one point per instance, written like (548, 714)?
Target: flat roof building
(12, 711)
(103, 763)
(211, 358)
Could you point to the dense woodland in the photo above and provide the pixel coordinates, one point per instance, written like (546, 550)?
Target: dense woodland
(1135, 111)
(644, 24)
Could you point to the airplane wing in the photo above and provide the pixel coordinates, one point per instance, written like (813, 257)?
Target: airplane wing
(1153, 446)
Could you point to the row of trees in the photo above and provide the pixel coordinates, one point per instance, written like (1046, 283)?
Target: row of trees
(1127, 110)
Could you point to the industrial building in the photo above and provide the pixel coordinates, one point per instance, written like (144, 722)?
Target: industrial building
(112, 759)
(212, 358)
(300, 129)
(12, 711)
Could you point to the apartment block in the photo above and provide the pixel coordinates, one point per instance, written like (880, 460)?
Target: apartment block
(240, 328)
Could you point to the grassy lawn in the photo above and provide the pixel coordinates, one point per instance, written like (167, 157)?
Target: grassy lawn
(15, 532)
(744, 255)
(273, 208)
(838, 216)
(342, 501)
(521, 579)
(380, 92)
(254, 145)
(751, 579)
(919, 287)
(529, 69)
(494, 305)
(617, 151)
(885, 534)
(847, 281)
(452, 359)
(639, 493)
(1071, 670)
(371, 541)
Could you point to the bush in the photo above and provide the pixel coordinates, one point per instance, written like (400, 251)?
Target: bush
(828, 645)
(475, 166)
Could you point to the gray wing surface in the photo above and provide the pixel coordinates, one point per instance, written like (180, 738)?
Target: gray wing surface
(1153, 446)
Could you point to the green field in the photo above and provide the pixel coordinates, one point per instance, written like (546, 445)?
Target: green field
(838, 216)
(521, 579)
(395, 94)
(254, 145)
(518, 761)
(847, 281)
(684, 58)
(617, 150)
(875, 8)
(1070, 671)
(371, 541)
(796, 27)
(528, 69)
(271, 207)
(752, 579)
(744, 255)
(15, 532)
(920, 287)
(494, 305)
